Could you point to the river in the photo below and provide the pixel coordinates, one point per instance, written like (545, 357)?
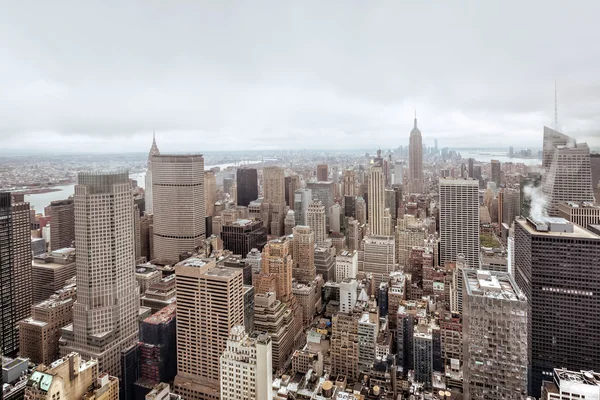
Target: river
(40, 200)
(487, 156)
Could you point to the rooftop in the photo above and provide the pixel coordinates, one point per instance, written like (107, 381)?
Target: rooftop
(498, 285)
(578, 232)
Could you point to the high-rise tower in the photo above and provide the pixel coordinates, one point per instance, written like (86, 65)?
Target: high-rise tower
(210, 302)
(415, 160)
(304, 254)
(568, 170)
(247, 186)
(315, 219)
(106, 311)
(9, 340)
(557, 265)
(148, 189)
(495, 344)
(376, 196)
(459, 220)
(62, 225)
(179, 210)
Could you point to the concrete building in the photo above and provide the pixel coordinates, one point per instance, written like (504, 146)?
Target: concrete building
(495, 343)
(556, 265)
(582, 214)
(346, 265)
(278, 320)
(361, 210)
(71, 378)
(376, 204)
(335, 215)
(322, 172)
(368, 331)
(254, 258)
(410, 232)
(349, 182)
(146, 278)
(415, 160)
(273, 185)
(246, 366)
(316, 220)
(50, 272)
(325, 193)
(247, 186)
(571, 385)
(308, 296)
(62, 224)
(210, 193)
(292, 183)
(39, 334)
(377, 256)
(179, 205)
(106, 311)
(304, 270)
(459, 220)
(243, 235)
(209, 303)
(289, 222)
(345, 344)
(160, 295)
(148, 187)
(276, 259)
(325, 262)
(568, 170)
(8, 319)
(496, 172)
(302, 198)
(511, 206)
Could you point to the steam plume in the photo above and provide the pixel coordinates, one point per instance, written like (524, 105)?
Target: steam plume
(538, 203)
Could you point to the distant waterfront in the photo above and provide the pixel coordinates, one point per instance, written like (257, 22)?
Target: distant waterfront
(486, 156)
(40, 200)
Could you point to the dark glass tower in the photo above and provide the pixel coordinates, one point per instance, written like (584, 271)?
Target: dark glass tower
(8, 337)
(557, 265)
(247, 186)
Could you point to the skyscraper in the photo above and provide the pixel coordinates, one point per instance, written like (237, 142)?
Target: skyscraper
(459, 220)
(273, 185)
(349, 182)
(106, 310)
(8, 335)
(148, 189)
(210, 302)
(304, 254)
(376, 195)
(210, 192)
(292, 183)
(277, 259)
(495, 344)
(22, 257)
(179, 209)
(322, 172)
(557, 265)
(324, 192)
(568, 171)
(496, 172)
(62, 224)
(415, 160)
(247, 366)
(302, 198)
(315, 219)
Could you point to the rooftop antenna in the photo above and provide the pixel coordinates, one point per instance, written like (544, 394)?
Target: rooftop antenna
(555, 107)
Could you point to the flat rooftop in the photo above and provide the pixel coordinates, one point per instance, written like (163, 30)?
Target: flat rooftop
(498, 285)
(223, 271)
(578, 231)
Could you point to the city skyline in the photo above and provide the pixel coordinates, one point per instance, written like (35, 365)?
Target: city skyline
(258, 90)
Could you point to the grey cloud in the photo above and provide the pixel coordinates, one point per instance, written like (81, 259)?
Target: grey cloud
(293, 73)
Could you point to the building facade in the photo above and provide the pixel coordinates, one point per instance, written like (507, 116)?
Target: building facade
(62, 224)
(179, 209)
(106, 311)
(415, 160)
(459, 220)
(247, 186)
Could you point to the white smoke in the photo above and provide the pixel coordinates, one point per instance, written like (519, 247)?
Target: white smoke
(538, 203)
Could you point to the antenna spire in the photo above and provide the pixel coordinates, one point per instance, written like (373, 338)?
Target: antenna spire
(555, 107)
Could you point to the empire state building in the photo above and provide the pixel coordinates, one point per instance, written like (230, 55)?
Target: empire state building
(415, 160)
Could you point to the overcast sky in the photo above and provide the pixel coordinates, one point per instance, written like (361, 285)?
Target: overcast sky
(210, 75)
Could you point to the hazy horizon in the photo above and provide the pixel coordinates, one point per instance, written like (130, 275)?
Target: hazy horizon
(264, 76)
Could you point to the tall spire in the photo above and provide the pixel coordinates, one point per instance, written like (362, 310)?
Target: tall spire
(555, 107)
(154, 149)
(415, 118)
